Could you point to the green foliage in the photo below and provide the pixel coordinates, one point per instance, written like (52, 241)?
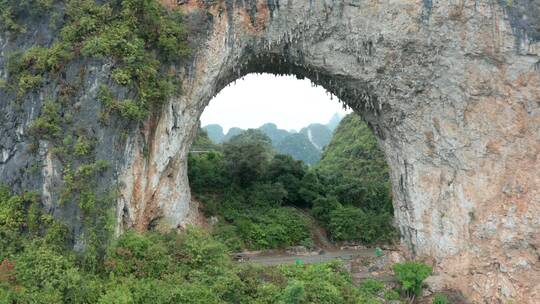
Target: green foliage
(323, 207)
(48, 125)
(267, 195)
(138, 255)
(83, 147)
(355, 168)
(371, 287)
(40, 267)
(12, 211)
(288, 172)
(274, 228)
(351, 223)
(300, 147)
(207, 172)
(295, 293)
(248, 156)
(411, 275)
(391, 295)
(143, 38)
(441, 299)
(325, 283)
(355, 175)
(21, 220)
(248, 180)
(191, 267)
(12, 10)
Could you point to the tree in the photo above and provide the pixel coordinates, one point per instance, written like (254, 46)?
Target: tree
(323, 206)
(289, 172)
(207, 172)
(311, 189)
(354, 168)
(247, 156)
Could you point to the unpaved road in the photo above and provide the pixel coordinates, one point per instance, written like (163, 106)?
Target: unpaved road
(347, 256)
(283, 258)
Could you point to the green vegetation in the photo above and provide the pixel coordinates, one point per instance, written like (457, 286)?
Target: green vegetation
(299, 147)
(305, 145)
(354, 164)
(12, 10)
(143, 38)
(191, 267)
(441, 299)
(251, 190)
(141, 41)
(411, 276)
(358, 202)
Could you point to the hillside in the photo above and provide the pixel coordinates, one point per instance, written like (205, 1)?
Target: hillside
(354, 158)
(300, 148)
(319, 135)
(215, 133)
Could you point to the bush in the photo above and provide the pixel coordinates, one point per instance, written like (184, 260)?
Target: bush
(48, 124)
(138, 255)
(267, 195)
(273, 228)
(371, 287)
(324, 283)
(391, 295)
(40, 267)
(411, 275)
(295, 293)
(441, 299)
(352, 224)
(198, 250)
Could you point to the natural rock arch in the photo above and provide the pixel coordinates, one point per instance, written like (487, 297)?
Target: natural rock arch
(450, 89)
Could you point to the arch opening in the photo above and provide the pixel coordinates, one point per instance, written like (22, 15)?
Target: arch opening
(263, 170)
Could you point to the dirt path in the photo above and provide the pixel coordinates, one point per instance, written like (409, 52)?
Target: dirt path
(283, 258)
(348, 256)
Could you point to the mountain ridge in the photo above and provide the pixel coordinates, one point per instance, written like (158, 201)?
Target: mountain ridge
(306, 145)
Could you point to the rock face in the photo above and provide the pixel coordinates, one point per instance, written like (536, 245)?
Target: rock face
(450, 88)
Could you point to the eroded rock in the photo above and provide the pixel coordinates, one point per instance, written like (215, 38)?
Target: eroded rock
(451, 90)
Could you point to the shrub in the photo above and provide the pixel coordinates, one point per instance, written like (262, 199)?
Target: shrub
(441, 299)
(371, 287)
(138, 255)
(352, 224)
(83, 146)
(295, 293)
(197, 249)
(324, 283)
(12, 213)
(273, 228)
(28, 83)
(267, 195)
(48, 124)
(411, 275)
(41, 267)
(247, 156)
(391, 295)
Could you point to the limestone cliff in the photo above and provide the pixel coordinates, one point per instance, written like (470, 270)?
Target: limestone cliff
(450, 88)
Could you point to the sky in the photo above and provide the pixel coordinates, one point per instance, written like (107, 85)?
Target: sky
(288, 102)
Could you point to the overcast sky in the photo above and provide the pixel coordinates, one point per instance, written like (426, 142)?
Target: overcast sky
(288, 102)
